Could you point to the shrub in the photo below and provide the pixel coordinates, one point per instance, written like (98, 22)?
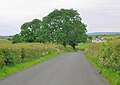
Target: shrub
(2, 63)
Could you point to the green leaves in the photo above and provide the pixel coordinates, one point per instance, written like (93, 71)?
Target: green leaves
(66, 27)
(62, 26)
(17, 38)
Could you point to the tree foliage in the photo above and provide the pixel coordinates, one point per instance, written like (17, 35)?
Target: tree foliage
(16, 38)
(60, 26)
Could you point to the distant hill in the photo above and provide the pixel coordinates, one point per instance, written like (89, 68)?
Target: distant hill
(5, 37)
(103, 33)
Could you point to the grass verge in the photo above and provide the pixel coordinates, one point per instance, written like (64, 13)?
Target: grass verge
(7, 70)
(112, 77)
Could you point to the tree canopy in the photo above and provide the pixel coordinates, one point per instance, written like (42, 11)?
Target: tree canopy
(62, 26)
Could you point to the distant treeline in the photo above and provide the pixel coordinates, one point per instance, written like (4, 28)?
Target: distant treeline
(5, 37)
(104, 33)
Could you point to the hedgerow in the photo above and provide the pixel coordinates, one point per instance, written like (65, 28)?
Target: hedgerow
(106, 56)
(12, 54)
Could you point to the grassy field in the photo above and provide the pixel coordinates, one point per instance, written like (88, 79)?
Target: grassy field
(16, 57)
(109, 37)
(84, 46)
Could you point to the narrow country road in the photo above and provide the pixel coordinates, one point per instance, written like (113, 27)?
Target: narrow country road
(67, 69)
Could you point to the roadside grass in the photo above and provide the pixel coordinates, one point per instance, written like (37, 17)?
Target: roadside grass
(112, 77)
(106, 58)
(109, 74)
(8, 70)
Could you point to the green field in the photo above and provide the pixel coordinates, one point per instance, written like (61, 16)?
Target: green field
(83, 46)
(111, 37)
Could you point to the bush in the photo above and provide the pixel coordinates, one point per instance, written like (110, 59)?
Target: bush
(8, 57)
(2, 63)
(16, 38)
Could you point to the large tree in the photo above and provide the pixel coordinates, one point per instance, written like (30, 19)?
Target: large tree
(65, 27)
(62, 26)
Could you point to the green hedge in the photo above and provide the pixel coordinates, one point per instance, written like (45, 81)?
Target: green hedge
(10, 57)
(106, 57)
(13, 54)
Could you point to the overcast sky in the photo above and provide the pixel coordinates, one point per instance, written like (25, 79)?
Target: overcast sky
(99, 15)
